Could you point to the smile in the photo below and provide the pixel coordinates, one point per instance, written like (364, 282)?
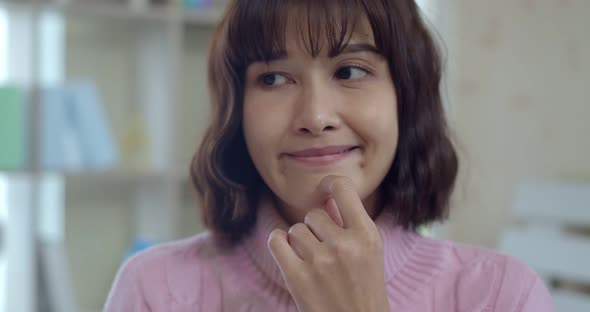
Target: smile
(322, 156)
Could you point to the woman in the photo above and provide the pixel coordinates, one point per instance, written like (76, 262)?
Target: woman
(327, 149)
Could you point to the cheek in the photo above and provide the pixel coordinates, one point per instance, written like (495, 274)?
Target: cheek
(252, 128)
(386, 127)
(257, 134)
(263, 126)
(375, 120)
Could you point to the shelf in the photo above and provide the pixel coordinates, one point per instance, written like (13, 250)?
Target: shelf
(116, 11)
(128, 176)
(166, 13)
(114, 175)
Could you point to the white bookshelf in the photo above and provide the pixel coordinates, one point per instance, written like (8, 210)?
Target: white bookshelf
(149, 65)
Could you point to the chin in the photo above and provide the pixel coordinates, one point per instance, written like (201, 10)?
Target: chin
(298, 204)
(303, 203)
(299, 191)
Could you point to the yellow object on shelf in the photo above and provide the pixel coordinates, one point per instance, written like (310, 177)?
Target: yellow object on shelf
(134, 145)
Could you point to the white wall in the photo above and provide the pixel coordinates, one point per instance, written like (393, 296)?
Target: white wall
(521, 105)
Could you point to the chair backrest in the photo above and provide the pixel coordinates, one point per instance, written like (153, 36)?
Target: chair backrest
(549, 210)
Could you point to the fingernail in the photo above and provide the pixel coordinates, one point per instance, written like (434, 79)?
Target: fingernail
(326, 185)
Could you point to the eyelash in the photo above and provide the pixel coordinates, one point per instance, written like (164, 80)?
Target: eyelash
(356, 66)
(359, 66)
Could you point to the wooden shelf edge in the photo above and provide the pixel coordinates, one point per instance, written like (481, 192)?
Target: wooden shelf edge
(207, 17)
(107, 175)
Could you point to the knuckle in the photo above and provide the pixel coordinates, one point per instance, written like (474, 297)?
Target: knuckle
(312, 216)
(275, 235)
(345, 248)
(297, 228)
(374, 238)
(274, 238)
(323, 260)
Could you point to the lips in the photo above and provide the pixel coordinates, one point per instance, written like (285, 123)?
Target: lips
(323, 151)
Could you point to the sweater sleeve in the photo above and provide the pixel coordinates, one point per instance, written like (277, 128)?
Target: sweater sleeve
(538, 299)
(126, 294)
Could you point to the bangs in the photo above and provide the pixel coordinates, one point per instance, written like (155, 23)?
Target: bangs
(257, 30)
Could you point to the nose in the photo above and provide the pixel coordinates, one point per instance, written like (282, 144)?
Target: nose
(316, 111)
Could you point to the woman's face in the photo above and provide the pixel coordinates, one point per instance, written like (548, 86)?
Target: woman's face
(306, 118)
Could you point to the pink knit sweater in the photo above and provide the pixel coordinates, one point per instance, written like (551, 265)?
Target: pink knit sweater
(421, 275)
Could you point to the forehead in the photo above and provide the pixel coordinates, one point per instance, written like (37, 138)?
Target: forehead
(266, 30)
(303, 36)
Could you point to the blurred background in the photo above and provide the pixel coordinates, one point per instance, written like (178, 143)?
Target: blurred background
(103, 102)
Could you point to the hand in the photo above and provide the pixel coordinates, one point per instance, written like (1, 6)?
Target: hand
(329, 266)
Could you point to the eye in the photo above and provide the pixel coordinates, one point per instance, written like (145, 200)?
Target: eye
(272, 79)
(351, 73)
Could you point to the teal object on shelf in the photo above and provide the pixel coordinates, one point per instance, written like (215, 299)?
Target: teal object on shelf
(12, 129)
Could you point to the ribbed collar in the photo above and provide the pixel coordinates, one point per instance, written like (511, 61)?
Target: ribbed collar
(400, 248)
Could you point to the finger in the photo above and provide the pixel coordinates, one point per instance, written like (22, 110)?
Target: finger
(347, 200)
(281, 251)
(332, 210)
(322, 225)
(302, 240)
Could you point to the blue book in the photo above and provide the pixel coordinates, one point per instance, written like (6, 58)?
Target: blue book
(97, 142)
(75, 133)
(59, 148)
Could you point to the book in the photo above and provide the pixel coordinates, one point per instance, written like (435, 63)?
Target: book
(75, 132)
(97, 142)
(13, 140)
(59, 148)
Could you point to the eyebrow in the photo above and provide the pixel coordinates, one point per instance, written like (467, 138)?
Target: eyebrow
(356, 48)
(348, 49)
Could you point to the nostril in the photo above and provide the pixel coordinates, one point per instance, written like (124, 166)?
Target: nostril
(316, 130)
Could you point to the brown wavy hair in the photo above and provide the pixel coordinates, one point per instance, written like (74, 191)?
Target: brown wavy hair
(423, 173)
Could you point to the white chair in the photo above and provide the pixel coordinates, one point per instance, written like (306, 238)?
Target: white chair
(549, 210)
